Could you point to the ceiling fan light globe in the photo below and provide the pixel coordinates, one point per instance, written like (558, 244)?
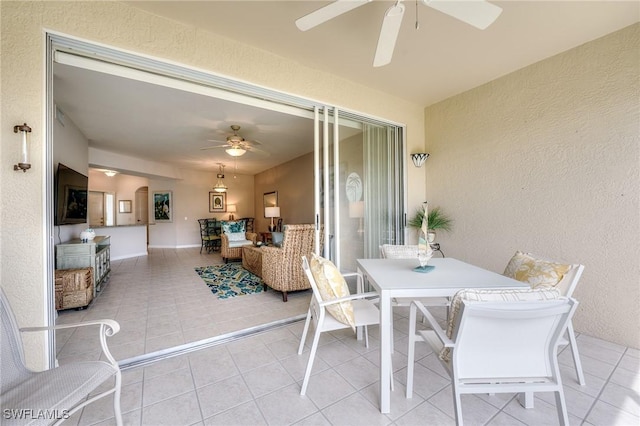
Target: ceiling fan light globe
(235, 151)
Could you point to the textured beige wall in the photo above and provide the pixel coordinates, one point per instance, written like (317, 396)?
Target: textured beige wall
(546, 160)
(23, 25)
(294, 182)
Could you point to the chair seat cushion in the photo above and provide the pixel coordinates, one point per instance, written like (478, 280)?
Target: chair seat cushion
(331, 285)
(536, 272)
(60, 388)
(240, 243)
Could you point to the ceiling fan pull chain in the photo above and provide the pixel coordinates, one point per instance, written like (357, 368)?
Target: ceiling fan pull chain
(417, 21)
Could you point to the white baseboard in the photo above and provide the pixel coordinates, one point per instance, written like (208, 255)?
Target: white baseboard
(129, 256)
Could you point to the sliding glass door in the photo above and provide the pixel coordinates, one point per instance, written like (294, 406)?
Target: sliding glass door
(360, 185)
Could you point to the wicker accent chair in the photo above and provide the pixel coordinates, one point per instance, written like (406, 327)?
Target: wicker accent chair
(232, 249)
(282, 267)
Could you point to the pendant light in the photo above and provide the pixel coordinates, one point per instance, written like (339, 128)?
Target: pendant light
(220, 186)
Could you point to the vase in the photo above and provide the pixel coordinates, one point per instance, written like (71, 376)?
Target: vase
(87, 235)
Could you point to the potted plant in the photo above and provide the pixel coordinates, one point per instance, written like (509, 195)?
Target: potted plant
(436, 218)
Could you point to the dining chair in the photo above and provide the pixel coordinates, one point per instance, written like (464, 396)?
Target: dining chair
(392, 251)
(538, 272)
(332, 307)
(58, 392)
(498, 341)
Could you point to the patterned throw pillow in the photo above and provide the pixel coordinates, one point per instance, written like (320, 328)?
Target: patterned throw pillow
(229, 227)
(535, 272)
(332, 285)
(491, 296)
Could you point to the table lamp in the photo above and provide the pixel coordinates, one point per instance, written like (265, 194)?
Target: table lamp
(356, 210)
(231, 208)
(272, 212)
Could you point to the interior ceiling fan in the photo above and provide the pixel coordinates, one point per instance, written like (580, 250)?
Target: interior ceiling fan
(478, 13)
(236, 145)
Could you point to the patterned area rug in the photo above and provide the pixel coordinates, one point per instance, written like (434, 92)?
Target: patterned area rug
(230, 280)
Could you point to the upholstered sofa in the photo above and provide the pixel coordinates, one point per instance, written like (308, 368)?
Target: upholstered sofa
(233, 238)
(282, 266)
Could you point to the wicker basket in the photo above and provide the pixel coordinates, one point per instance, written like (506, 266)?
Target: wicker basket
(74, 288)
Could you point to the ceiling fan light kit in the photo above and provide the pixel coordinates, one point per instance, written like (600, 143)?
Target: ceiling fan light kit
(478, 13)
(236, 145)
(235, 151)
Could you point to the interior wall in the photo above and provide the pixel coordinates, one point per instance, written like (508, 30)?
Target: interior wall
(293, 181)
(23, 240)
(70, 149)
(546, 160)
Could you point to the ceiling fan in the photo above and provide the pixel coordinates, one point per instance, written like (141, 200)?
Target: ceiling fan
(236, 145)
(478, 13)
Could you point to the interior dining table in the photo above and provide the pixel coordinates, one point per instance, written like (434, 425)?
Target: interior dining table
(393, 278)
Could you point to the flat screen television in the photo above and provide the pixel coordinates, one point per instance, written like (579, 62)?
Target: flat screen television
(71, 189)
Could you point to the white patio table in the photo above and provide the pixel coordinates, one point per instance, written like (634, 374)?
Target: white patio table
(396, 278)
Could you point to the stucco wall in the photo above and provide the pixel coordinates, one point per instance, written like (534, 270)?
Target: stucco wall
(547, 160)
(23, 24)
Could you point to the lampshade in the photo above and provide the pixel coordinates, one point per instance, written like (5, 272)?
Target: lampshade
(231, 208)
(235, 151)
(272, 212)
(356, 209)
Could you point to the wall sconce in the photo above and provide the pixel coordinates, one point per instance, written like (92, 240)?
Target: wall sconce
(231, 208)
(419, 158)
(24, 149)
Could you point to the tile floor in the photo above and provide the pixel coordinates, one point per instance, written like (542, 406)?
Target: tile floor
(256, 380)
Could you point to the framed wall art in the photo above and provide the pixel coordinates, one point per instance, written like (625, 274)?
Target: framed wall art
(162, 206)
(217, 202)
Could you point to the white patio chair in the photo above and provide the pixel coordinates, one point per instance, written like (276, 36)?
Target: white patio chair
(392, 251)
(566, 286)
(365, 313)
(56, 393)
(496, 346)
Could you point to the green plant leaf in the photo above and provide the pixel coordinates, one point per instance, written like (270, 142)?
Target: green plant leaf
(437, 219)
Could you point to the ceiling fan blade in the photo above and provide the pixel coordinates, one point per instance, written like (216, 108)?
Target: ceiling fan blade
(215, 146)
(258, 151)
(327, 12)
(478, 13)
(388, 35)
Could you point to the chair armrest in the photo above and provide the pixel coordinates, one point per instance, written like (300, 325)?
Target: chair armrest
(448, 343)
(107, 329)
(347, 298)
(359, 282)
(112, 326)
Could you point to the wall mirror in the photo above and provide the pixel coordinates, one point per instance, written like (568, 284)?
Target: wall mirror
(124, 206)
(270, 199)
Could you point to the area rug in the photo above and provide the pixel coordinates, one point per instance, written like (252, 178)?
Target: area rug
(230, 280)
